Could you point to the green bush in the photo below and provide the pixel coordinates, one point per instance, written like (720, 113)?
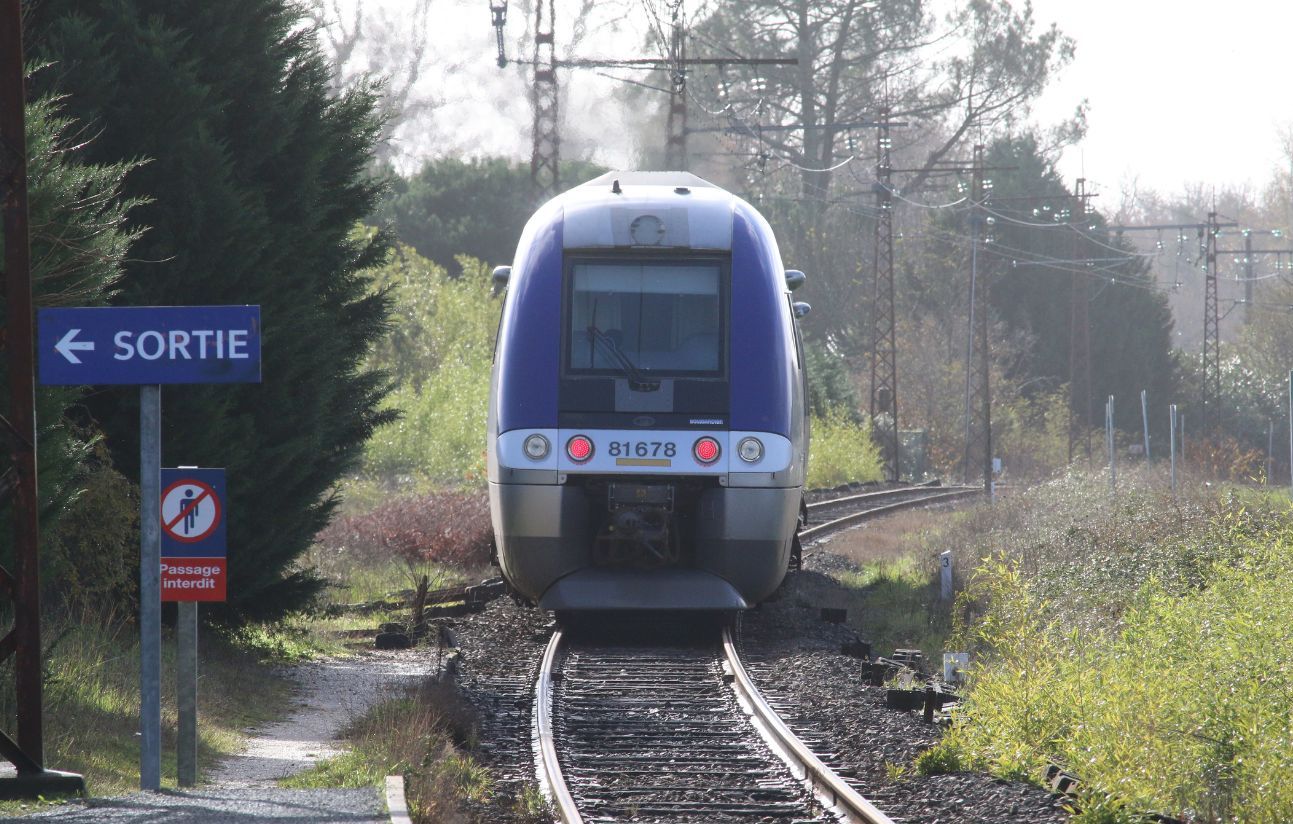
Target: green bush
(841, 452)
(92, 553)
(438, 349)
(1167, 692)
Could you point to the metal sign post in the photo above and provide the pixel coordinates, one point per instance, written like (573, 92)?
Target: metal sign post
(193, 567)
(150, 588)
(149, 346)
(186, 694)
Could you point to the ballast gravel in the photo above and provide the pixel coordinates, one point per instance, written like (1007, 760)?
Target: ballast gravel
(501, 648)
(796, 660)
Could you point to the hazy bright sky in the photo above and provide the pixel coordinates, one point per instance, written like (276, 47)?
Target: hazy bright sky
(1179, 92)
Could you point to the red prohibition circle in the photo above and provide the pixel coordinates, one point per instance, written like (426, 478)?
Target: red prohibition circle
(208, 491)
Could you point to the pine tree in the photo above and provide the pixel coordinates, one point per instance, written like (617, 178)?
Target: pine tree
(78, 241)
(476, 208)
(1030, 262)
(255, 178)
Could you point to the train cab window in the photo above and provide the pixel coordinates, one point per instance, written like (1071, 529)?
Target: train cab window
(658, 318)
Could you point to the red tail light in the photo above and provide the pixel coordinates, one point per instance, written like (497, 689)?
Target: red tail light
(706, 450)
(579, 448)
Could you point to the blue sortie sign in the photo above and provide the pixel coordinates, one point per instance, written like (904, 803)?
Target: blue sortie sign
(149, 345)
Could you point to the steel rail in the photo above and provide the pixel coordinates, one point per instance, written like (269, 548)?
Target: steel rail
(831, 526)
(823, 780)
(885, 494)
(549, 769)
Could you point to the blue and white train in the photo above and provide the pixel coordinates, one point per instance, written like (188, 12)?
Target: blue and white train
(647, 419)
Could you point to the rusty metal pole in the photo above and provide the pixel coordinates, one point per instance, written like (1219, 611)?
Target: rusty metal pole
(23, 641)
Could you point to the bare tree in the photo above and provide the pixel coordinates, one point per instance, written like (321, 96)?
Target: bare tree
(977, 75)
(367, 44)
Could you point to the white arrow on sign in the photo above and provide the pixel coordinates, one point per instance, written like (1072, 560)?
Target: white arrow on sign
(68, 343)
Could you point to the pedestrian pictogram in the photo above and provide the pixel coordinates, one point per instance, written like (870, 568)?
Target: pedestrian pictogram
(190, 511)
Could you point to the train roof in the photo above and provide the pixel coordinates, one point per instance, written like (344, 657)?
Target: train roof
(648, 209)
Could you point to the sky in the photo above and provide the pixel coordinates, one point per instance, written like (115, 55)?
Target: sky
(1179, 93)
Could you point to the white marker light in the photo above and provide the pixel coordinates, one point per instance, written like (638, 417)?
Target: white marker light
(750, 449)
(536, 447)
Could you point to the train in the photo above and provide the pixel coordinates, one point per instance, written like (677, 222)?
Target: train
(648, 424)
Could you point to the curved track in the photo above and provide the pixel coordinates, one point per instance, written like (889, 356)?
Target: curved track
(846, 511)
(674, 731)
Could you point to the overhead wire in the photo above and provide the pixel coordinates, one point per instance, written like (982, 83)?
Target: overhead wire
(768, 151)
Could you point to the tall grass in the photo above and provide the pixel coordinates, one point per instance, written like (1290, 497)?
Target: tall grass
(92, 698)
(1144, 644)
(427, 736)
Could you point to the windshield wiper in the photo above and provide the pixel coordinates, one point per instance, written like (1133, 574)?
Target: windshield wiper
(637, 381)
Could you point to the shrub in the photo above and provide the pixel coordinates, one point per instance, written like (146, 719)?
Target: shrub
(841, 452)
(447, 528)
(92, 553)
(1140, 644)
(1221, 457)
(439, 350)
(939, 760)
(1031, 434)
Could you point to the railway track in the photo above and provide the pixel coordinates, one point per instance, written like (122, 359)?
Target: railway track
(836, 513)
(630, 727)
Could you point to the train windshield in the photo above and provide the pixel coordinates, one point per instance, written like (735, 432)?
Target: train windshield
(659, 317)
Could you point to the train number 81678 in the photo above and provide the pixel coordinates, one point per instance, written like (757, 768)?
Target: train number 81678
(642, 449)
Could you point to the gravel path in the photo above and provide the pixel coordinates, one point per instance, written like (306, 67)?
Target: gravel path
(242, 805)
(332, 693)
(243, 789)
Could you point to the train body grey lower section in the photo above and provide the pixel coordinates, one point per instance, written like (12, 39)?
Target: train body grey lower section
(740, 550)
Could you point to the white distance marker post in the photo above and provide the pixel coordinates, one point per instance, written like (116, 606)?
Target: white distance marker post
(945, 573)
(1109, 438)
(1171, 412)
(1144, 418)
